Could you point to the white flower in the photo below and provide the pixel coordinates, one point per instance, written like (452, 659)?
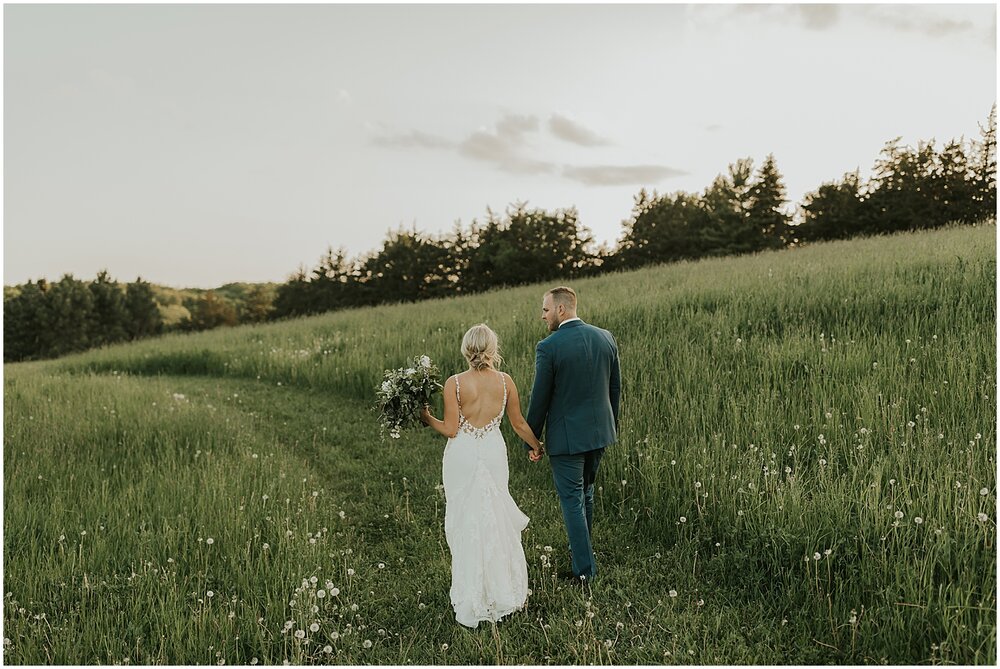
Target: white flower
(320, 594)
(984, 492)
(672, 593)
(683, 519)
(300, 634)
(335, 592)
(983, 517)
(210, 541)
(898, 514)
(314, 627)
(334, 636)
(918, 520)
(210, 594)
(367, 643)
(327, 649)
(425, 361)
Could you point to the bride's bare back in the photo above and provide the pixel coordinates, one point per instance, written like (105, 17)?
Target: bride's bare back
(481, 395)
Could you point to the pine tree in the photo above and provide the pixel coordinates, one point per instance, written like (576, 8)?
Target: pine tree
(144, 314)
(767, 198)
(111, 317)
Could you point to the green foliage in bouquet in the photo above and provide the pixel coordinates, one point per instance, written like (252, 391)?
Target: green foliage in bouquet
(403, 394)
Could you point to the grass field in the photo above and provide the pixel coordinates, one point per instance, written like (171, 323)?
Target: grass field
(806, 475)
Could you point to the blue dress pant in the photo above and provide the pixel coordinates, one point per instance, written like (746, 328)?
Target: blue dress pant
(574, 476)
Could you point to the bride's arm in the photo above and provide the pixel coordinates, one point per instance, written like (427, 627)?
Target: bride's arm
(517, 420)
(449, 426)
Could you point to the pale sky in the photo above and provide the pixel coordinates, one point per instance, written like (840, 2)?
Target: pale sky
(201, 145)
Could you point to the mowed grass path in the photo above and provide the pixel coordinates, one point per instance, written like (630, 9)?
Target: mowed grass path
(834, 402)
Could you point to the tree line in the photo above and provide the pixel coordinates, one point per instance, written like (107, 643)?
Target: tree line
(744, 210)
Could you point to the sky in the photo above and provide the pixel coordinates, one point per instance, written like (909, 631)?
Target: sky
(198, 145)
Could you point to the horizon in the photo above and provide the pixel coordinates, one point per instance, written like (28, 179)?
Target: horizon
(248, 154)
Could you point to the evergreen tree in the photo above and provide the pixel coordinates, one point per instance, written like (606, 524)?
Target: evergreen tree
(144, 314)
(767, 198)
(727, 229)
(70, 306)
(110, 322)
(833, 211)
(984, 167)
(24, 321)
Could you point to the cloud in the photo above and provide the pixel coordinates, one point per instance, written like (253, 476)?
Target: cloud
(620, 175)
(571, 131)
(818, 17)
(501, 150)
(715, 127)
(930, 21)
(511, 127)
(413, 139)
(914, 22)
(506, 147)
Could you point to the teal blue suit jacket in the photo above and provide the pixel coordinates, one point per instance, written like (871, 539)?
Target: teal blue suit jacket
(577, 389)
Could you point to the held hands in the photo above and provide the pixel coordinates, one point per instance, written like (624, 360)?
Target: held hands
(536, 453)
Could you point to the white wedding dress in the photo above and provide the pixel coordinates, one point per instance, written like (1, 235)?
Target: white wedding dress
(489, 575)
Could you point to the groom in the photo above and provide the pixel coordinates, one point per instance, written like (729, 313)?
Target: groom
(575, 397)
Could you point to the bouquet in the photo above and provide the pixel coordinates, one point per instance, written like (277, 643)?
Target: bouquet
(403, 394)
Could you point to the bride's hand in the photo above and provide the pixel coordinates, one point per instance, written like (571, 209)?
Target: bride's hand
(536, 453)
(425, 415)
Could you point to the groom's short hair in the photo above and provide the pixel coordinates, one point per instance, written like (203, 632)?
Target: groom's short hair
(564, 295)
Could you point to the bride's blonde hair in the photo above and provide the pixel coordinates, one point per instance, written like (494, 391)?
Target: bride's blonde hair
(481, 347)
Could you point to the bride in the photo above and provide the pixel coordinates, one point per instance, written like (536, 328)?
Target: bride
(482, 523)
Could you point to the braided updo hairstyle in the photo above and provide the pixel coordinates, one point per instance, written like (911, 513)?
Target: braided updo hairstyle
(481, 348)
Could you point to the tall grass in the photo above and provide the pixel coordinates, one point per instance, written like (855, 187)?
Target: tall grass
(807, 450)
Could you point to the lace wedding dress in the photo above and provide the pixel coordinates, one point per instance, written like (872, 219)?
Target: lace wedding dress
(489, 575)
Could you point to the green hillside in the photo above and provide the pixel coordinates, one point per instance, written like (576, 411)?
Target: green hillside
(833, 402)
